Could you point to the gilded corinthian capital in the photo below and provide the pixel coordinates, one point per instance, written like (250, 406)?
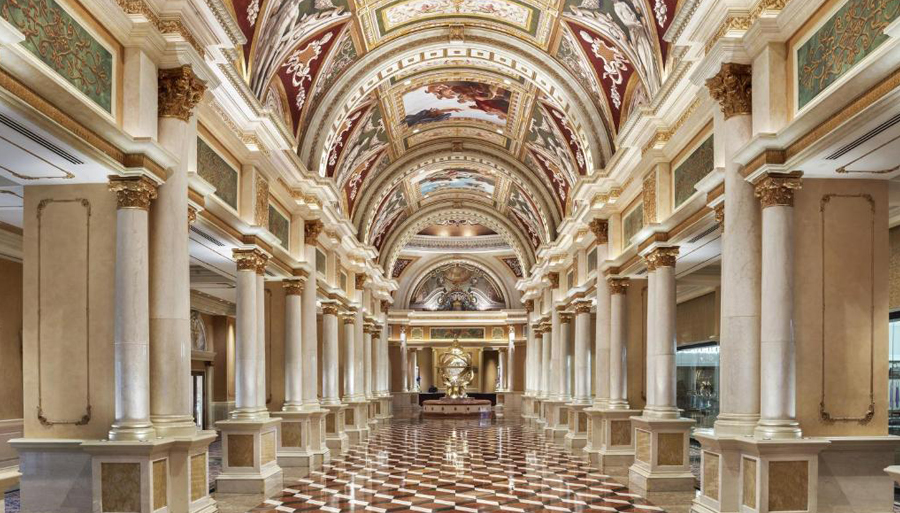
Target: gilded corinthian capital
(600, 227)
(179, 92)
(777, 190)
(312, 229)
(731, 88)
(132, 191)
(661, 257)
(250, 260)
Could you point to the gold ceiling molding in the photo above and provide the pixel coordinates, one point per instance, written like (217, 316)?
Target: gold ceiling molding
(863, 101)
(737, 22)
(246, 139)
(663, 136)
(164, 26)
(38, 103)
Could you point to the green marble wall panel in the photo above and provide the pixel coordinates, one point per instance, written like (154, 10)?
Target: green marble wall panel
(845, 39)
(213, 168)
(63, 44)
(694, 168)
(280, 226)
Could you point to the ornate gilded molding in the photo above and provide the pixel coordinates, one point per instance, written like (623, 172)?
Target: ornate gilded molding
(249, 259)
(312, 229)
(648, 197)
(600, 227)
(583, 307)
(329, 310)
(777, 190)
(293, 287)
(618, 285)
(731, 87)
(261, 206)
(566, 317)
(720, 214)
(662, 257)
(164, 26)
(132, 191)
(179, 92)
(529, 305)
(192, 215)
(348, 317)
(744, 23)
(359, 281)
(385, 305)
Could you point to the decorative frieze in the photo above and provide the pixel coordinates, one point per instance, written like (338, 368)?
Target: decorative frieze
(179, 92)
(777, 190)
(600, 227)
(312, 229)
(250, 260)
(618, 285)
(132, 192)
(661, 257)
(293, 287)
(731, 87)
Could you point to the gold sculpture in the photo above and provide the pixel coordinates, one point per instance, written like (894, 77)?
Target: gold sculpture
(456, 370)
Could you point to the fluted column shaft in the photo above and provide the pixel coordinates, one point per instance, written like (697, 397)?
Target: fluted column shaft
(618, 352)
(663, 347)
(246, 370)
(582, 363)
(132, 322)
(778, 417)
(349, 319)
(293, 345)
(331, 355)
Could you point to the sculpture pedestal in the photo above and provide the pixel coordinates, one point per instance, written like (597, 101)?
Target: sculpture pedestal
(462, 407)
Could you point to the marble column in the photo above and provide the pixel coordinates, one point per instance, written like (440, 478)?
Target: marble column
(618, 336)
(404, 365)
(557, 354)
(529, 354)
(649, 356)
(413, 369)
(546, 359)
(663, 344)
(261, 332)
(511, 360)
(132, 323)
(778, 413)
(501, 370)
(566, 320)
(739, 346)
(582, 362)
(330, 356)
(246, 350)
(367, 360)
(293, 345)
(312, 229)
(170, 296)
(349, 319)
(600, 227)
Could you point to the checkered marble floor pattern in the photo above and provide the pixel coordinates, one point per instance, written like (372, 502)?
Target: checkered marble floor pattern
(457, 465)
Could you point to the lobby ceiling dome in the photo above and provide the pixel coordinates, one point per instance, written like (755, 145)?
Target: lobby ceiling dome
(414, 108)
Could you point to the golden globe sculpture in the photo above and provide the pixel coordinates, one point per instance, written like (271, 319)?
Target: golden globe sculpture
(456, 370)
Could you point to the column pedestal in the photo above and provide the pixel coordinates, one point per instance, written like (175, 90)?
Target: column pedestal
(540, 415)
(131, 476)
(336, 437)
(356, 422)
(383, 408)
(299, 443)
(576, 436)
(407, 402)
(372, 412)
(556, 417)
(661, 456)
(610, 441)
(249, 456)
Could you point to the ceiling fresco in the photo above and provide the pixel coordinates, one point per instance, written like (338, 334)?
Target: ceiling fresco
(371, 90)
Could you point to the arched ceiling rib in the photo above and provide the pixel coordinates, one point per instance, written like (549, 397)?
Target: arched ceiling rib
(415, 106)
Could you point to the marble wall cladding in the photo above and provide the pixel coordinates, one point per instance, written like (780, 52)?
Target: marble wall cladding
(267, 447)
(240, 450)
(671, 449)
(215, 170)
(291, 434)
(160, 484)
(748, 482)
(840, 303)
(620, 432)
(63, 43)
(120, 487)
(694, 168)
(845, 39)
(788, 485)
(68, 305)
(711, 475)
(199, 486)
(642, 445)
(280, 226)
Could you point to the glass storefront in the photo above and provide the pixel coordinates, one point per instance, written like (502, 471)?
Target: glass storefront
(698, 382)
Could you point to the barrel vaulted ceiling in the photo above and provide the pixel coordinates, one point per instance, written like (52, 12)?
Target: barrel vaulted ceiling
(487, 109)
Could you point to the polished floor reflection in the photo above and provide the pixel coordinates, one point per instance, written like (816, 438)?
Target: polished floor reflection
(456, 465)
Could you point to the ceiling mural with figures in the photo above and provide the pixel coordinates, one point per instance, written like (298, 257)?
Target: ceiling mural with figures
(520, 98)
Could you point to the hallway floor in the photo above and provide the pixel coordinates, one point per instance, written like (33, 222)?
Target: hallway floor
(429, 465)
